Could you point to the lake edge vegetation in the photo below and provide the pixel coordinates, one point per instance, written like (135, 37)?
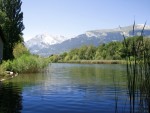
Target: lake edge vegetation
(24, 62)
(138, 71)
(16, 57)
(109, 53)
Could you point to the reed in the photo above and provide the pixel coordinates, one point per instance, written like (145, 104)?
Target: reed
(137, 54)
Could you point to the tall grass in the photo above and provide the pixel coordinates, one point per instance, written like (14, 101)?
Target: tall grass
(25, 64)
(137, 54)
(2, 71)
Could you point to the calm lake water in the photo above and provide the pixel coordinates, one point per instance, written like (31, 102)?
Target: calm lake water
(67, 88)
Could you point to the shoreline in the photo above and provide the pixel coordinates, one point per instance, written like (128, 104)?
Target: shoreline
(94, 61)
(9, 76)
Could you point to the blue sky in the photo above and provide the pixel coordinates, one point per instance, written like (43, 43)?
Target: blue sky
(72, 17)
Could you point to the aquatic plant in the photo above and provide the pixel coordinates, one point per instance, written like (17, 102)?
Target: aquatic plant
(137, 52)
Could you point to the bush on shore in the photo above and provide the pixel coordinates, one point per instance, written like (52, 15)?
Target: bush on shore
(24, 62)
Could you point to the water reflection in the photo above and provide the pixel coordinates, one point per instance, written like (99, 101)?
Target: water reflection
(10, 98)
(68, 88)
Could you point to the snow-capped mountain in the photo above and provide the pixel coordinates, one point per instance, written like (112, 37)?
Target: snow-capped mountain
(127, 31)
(43, 41)
(45, 45)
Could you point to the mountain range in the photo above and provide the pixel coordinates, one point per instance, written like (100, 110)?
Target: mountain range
(46, 45)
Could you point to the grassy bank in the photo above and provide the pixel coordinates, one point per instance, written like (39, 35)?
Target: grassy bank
(95, 61)
(23, 62)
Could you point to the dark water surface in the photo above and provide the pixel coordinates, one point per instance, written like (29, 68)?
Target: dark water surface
(67, 88)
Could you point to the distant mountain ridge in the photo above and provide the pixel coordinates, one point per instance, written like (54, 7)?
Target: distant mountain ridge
(46, 45)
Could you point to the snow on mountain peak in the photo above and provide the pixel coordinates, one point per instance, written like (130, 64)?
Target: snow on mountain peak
(44, 41)
(47, 39)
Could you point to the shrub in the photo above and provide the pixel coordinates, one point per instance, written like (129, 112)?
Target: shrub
(19, 50)
(26, 64)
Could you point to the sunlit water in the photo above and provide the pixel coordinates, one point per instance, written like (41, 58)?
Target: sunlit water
(67, 88)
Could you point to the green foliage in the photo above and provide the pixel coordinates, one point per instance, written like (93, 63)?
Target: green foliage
(113, 50)
(25, 64)
(109, 51)
(2, 71)
(90, 52)
(82, 51)
(54, 58)
(2, 18)
(62, 56)
(19, 50)
(101, 52)
(12, 25)
(136, 50)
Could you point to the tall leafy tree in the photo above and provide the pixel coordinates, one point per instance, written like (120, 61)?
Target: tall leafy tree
(12, 26)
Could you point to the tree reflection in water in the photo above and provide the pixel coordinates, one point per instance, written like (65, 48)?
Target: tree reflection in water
(10, 98)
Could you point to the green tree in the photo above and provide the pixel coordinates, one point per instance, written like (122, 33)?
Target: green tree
(62, 56)
(2, 18)
(73, 54)
(100, 52)
(114, 50)
(54, 58)
(12, 25)
(19, 50)
(82, 51)
(90, 53)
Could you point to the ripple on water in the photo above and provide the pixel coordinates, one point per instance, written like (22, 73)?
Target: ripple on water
(66, 88)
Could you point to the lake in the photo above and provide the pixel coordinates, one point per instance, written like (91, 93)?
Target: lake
(67, 88)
